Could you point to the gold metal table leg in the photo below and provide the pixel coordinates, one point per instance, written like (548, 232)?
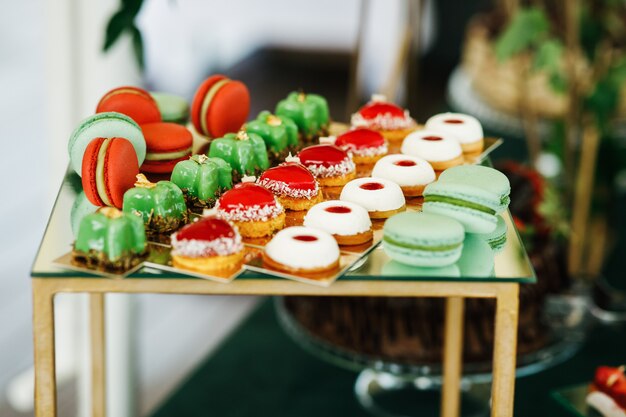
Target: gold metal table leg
(43, 342)
(504, 351)
(98, 354)
(452, 357)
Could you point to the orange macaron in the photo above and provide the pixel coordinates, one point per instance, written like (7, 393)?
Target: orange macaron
(134, 102)
(109, 169)
(220, 106)
(166, 145)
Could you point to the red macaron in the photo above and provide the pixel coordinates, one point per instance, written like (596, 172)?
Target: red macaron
(134, 102)
(220, 106)
(167, 144)
(109, 169)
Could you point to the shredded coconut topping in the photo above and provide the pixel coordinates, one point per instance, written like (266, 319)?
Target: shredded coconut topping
(241, 213)
(282, 188)
(344, 167)
(370, 151)
(291, 158)
(384, 121)
(194, 248)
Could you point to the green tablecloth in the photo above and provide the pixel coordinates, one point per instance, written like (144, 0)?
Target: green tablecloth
(260, 371)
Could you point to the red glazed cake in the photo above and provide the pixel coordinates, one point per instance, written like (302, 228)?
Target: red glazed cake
(293, 185)
(366, 145)
(253, 209)
(209, 245)
(392, 121)
(331, 165)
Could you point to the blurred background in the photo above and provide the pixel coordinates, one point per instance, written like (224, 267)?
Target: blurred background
(547, 76)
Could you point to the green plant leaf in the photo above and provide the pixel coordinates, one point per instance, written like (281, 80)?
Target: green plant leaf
(549, 55)
(133, 6)
(119, 22)
(138, 47)
(528, 26)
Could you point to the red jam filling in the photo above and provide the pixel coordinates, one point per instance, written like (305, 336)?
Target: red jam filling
(360, 138)
(453, 121)
(372, 186)
(405, 163)
(432, 138)
(293, 174)
(324, 155)
(372, 110)
(305, 238)
(338, 209)
(208, 228)
(247, 194)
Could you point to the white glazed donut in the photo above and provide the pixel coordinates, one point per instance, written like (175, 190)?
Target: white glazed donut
(338, 218)
(466, 129)
(374, 194)
(404, 170)
(440, 149)
(302, 247)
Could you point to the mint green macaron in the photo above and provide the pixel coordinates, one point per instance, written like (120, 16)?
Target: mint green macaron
(104, 125)
(423, 239)
(471, 194)
(174, 109)
(497, 238)
(489, 179)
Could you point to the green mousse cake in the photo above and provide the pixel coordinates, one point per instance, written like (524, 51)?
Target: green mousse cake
(422, 239)
(244, 152)
(111, 240)
(280, 134)
(161, 205)
(202, 180)
(308, 111)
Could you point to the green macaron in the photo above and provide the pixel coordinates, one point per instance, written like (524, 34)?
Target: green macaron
(477, 259)
(489, 179)
(497, 238)
(174, 109)
(423, 239)
(473, 195)
(104, 125)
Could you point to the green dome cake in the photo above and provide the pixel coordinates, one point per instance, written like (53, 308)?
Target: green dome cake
(309, 111)
(244, 152)
(161, 205)
(280, 134)
(202, 180)
(111, 240)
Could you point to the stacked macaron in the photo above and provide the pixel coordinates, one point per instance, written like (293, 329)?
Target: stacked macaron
(472, 194)
(459, 215)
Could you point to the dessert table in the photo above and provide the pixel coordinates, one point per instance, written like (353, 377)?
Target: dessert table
(366, 278)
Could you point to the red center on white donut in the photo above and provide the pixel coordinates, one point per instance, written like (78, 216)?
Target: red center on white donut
(338, 209)
(372, 186)
(453, 121)
(305, 238)
(405, 163)
(432, 138)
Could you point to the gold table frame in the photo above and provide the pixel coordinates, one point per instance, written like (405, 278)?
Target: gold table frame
(506, 295)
